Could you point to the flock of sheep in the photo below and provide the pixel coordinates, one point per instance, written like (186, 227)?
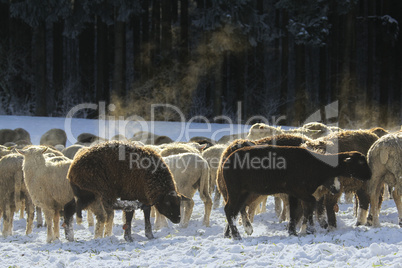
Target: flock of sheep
(160, 177)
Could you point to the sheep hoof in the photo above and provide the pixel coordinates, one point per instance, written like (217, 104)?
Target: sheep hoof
(237, 237)
(310, 230)
(369, 220)
(150, 236)
(128, 238)
(292, 233)
(323, 224)
(183, 225)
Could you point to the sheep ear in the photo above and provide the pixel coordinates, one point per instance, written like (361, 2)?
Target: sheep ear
(44, 150)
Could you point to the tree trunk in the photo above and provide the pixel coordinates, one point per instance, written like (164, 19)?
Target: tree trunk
(156, 36)
(58, 59)
(39, 61)
(348, 73)
(300, 84)
(4, 21)
(87, 59)
(146, 50)
(119, 67)
(166, 27)
(184, 32)
(284, 65)
(101, 61)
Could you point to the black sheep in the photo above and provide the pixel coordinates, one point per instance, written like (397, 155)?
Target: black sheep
(298, 172)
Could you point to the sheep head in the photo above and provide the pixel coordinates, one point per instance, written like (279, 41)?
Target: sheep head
(169, 206)
(32, 150)
(354, 164)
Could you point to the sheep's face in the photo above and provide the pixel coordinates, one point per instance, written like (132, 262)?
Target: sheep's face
(356, 166)
(170, 206)
(33, 150)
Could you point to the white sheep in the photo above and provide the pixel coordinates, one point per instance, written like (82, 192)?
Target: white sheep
(70, 151)
(213, 156)
(385, 161)
(180, 148)
(260, 130)
(12, 188)
(47, 185)
(191, 173)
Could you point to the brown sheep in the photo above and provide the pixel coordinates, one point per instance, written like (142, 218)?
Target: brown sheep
(351, 140)
(108, 171)
(296, 171)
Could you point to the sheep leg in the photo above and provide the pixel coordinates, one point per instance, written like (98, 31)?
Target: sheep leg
(56, 224)
(295, 214)
(160, 220)
(90, 218)
(285, 210)
(308, 223)
(30, 214)
(187, 207)
(230, 216)
(375, 211)
(380, 199)
(207, 210)
(39, 219)
(99, 211)
(348, 197)
(22, 209)
(69, 210)
(147, 218)
(127, 226)
(231, 211)
(320, 210)
(8, 220)
(49, 215)
(252, 209)
(109, 221)
(364, 201)
(217, 198)
(278, 206)
(330, 203)
(248, 228)
(398, 202)
(264, 204)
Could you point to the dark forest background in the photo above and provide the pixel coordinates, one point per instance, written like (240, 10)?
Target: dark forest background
(274, 57)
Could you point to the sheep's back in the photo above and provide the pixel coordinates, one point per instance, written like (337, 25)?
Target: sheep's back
(118, 169)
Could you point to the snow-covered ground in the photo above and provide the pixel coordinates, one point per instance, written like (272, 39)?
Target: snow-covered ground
(197, 245)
